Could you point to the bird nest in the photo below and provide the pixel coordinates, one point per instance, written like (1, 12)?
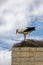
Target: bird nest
(29, 43)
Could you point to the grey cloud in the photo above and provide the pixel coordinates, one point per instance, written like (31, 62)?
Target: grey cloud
(2, 22)
(2, 1)
(35, 6)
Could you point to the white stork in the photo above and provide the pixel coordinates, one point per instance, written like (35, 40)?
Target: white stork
(25, 31)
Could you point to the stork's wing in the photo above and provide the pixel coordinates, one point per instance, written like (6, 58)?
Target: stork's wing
(29, 29)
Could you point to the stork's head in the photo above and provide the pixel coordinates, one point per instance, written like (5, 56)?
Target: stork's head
(16, 31)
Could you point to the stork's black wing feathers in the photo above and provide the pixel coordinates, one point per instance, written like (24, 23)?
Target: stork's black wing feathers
(29, 29)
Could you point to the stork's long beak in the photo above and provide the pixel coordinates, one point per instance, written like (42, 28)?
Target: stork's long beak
(16, 31)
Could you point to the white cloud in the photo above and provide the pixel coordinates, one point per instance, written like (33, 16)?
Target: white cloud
(5, 57)
(14, 13)
(36, 37)
(37, 10)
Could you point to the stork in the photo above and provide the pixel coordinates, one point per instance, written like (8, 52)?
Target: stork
(25, 31)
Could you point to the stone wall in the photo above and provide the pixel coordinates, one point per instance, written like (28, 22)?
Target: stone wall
(27, 56)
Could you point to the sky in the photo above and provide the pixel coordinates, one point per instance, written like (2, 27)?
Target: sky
(16, 14)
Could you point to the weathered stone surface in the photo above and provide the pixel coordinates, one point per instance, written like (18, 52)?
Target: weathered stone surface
(38, 63)
(23, 54)
(27, 56)
(23, 60)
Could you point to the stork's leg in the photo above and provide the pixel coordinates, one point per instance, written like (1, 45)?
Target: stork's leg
(25, 37)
